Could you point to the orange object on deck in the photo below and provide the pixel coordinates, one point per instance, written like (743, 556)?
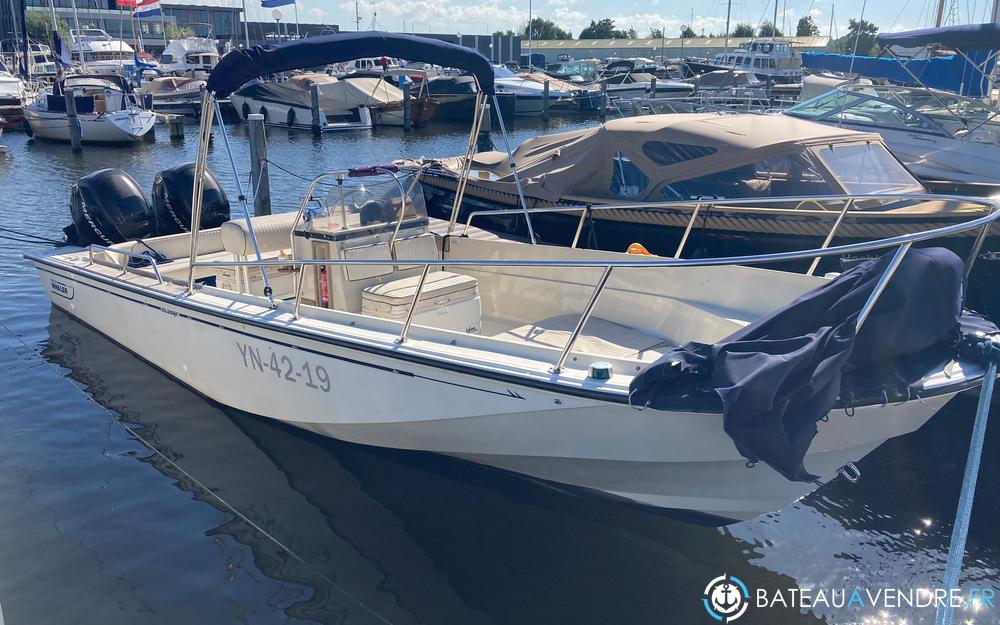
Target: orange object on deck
(638, 248)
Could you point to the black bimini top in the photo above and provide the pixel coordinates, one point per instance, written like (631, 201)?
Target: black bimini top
(241, 66)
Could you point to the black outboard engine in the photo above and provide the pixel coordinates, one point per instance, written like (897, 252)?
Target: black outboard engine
(108, 207)
(172, 193)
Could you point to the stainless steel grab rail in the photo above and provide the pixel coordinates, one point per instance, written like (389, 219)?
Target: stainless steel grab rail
(902, 243)
(124, 266)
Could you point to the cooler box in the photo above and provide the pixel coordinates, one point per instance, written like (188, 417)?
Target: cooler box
(448, 300)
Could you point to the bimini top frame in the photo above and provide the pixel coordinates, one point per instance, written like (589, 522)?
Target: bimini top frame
(241, 66)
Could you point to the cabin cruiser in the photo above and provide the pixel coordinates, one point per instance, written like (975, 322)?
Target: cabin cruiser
(942, 137)
(349, 318)
(455, 96)
(12, 93)
(100, 53)
(522, 95)
(727, 162)
(627, 85)
(107, 109)
(191, 56)
(172, 94)
(41, 62)
(769, 60)
(353, 102)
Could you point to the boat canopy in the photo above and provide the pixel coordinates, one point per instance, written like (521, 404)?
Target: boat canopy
(336, 97)
(241, 66)
(951, 73)
(681, 156)
(966, 37)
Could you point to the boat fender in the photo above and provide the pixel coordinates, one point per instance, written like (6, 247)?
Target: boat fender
(27, 129)
(290, 117)
(246, 111)
(108, 207)
(172, 191)
(263, 112)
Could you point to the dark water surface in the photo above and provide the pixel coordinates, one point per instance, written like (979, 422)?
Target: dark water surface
(238, 519)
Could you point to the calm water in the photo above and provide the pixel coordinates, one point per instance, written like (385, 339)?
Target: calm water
(237, 519)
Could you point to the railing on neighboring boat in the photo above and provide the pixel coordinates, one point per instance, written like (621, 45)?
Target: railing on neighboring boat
(748, 204)
(902, 243)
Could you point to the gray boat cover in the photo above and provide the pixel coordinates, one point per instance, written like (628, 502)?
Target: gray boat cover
(780, 375)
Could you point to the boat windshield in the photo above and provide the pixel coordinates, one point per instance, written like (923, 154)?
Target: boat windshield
(858, 108)
(366, 204)
(864, 168)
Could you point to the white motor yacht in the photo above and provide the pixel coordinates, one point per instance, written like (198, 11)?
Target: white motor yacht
(12, 92)
(353, 320)
(107, 109)
(100, 53)
(192, 57)
(770, 60)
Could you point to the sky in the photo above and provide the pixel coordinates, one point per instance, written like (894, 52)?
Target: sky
(483, 17)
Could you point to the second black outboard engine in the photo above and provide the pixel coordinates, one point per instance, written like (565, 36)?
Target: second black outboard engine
(172, 193)
(108, 207)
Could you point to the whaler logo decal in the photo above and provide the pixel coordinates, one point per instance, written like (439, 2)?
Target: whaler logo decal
(61, 288)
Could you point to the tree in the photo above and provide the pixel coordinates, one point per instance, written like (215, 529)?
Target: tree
(687, 32)
(604, 29)
(767, 29)
(655, 33)
(807, 27)
(173, 32)
(504, 33)
(743, 30)
(545, 29)
(631, 34)
(864, 32)
(40, 27)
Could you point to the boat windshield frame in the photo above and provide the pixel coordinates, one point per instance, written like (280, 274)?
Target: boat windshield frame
(892, 96)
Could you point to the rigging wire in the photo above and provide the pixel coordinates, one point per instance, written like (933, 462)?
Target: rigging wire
(205, 489)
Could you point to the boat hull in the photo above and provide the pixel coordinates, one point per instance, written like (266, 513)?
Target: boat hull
(111, 128)
(375, 396)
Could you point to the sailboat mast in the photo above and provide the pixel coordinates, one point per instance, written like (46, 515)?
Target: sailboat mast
(246, 25)
(79, 43)
(729, 10)
(939, 16)
(774, 22)
(297, 35)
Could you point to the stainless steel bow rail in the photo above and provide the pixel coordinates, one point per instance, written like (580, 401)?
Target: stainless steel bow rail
(902, 244)
(750, 205)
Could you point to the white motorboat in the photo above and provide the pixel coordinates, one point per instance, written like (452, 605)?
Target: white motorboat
(514, 356)
(191, 56)
(12, 92)
(100, 53)
(940, 136)
(521, 95)
(342, 105)
(172, 94)
(107, 109)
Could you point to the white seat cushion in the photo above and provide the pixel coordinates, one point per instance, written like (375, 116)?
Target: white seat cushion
(439, 284)
(600, 337)
(378, 251)
(273, 232)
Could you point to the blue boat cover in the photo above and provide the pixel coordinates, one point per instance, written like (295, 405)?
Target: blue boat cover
(951, 73)
(777, 377)
(241, 66)
(965, 37)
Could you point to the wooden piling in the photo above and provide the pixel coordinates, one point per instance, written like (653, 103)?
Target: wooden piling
(407, 123)
(175, 124)
(259, 180)
(484, 143)
(314, 106)
(545, 101)
(604, 99)
(652, 87)
(75, 134)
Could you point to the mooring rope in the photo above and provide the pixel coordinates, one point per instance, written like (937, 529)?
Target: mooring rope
(206, 490)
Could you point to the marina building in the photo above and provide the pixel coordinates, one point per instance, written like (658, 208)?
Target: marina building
(669, 48)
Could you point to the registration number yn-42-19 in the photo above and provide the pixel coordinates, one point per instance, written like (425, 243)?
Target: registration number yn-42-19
(266, 361)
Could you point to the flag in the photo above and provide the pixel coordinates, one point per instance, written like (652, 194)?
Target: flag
(147, 8)
(271, 4)
(125, 4)
(61, 51)
(148, 11)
